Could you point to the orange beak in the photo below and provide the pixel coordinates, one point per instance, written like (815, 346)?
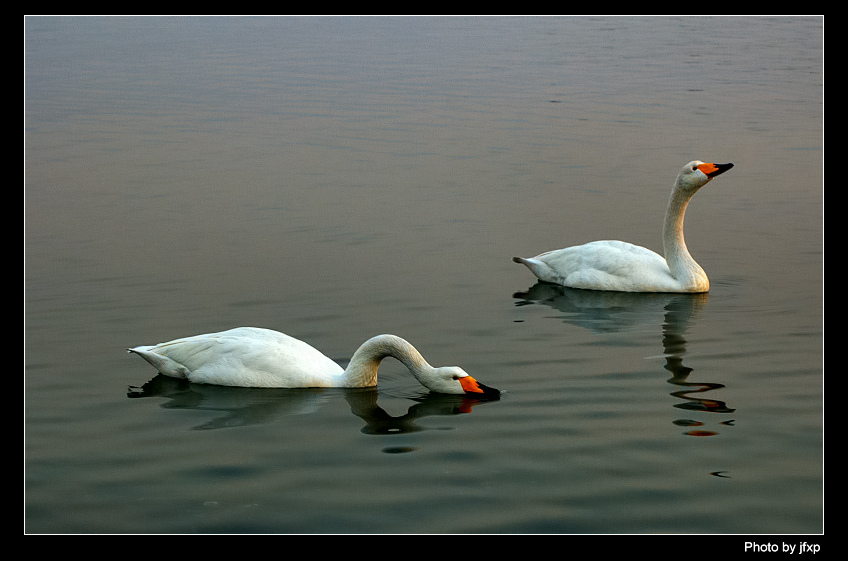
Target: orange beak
(711, 170)
(470, 385)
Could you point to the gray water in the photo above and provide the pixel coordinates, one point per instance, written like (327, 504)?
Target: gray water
(336, 178)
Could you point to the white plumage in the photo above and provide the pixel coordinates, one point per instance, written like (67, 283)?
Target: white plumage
(624, 267)
(263, 358)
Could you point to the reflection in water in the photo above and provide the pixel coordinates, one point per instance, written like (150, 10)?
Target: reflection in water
(678, 312)
(256, 406)
(363, 404)
(240, 406)
(607, 312)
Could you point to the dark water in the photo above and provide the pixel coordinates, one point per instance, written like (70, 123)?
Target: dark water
(339, 178)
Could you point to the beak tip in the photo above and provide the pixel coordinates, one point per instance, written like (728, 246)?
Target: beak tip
(718, 169)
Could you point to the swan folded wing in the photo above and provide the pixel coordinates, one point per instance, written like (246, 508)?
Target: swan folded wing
(248, 357)
(609, 265)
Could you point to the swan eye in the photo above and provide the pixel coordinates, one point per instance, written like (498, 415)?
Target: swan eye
(455, 377)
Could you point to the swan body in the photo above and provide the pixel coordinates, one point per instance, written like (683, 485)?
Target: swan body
(624, 267)
(263, 358)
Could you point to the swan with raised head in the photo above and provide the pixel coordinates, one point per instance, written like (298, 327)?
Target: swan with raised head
(262, 358)
(624, 267)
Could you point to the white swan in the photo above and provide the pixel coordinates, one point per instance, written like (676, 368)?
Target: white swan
(262, 358)
(624, 267)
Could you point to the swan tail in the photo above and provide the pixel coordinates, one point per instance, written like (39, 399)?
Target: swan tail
(542, 270)
(162, 364)
(527, 262)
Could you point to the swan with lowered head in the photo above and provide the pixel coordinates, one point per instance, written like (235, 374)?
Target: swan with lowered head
(624, 267)
(261, 358)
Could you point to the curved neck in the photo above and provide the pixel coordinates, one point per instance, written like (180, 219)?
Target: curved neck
(681, 264)
(362, 370)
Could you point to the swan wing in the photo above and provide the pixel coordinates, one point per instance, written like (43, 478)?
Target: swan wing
(245, 356)
(606, 265)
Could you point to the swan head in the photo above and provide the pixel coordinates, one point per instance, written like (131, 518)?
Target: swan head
(455, 380)
(696, 174)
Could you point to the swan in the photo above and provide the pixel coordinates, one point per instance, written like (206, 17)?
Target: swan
(262, 358)
(624, 267)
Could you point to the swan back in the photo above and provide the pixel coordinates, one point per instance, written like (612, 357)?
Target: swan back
(244, 356)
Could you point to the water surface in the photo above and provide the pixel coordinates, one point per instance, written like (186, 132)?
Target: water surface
(336, 178)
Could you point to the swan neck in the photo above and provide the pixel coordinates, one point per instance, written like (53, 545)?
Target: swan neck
(673, 240)
(680, 262)
(362, 370)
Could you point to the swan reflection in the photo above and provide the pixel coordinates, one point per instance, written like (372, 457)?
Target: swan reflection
(239, 407)
(610, 312)
(363, 404)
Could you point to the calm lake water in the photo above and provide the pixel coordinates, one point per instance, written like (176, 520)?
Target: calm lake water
(336, 178)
